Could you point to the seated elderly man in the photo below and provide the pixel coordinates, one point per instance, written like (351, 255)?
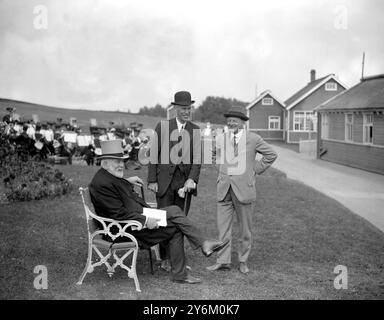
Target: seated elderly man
(113, 197)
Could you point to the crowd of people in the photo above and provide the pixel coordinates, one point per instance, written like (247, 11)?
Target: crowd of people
(60, 140)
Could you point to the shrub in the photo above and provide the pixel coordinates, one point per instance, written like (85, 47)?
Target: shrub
(26, 179)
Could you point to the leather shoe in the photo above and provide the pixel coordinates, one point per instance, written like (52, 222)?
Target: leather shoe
(219, 266)
(165, 265)
(244, 268)
(210, 246)
(188, 280)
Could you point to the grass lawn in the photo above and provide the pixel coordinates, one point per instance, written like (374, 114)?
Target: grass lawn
(300, 236)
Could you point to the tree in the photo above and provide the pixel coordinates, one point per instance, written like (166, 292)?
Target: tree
(212, 109)
(156, 111)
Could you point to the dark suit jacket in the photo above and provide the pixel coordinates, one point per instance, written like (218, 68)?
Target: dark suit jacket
(162, 173)
(115, 198)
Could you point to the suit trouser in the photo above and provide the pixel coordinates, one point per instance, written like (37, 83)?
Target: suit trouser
(171, 198)
(226, 210)
(178, 226)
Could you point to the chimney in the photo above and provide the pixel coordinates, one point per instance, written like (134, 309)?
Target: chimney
(313, 75)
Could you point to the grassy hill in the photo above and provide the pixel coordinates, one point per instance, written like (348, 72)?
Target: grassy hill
(47, 113)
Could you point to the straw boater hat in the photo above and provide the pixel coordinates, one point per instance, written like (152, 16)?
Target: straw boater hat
(112, 149)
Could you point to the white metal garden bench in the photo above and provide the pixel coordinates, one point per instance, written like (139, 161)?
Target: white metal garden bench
(95, 242)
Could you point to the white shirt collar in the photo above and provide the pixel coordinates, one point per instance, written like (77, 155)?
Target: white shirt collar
(237, 135)
(180, 126)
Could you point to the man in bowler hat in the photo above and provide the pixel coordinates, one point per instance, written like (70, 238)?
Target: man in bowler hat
(177, 175)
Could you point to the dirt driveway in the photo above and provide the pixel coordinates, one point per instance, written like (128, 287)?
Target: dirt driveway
(360, 191)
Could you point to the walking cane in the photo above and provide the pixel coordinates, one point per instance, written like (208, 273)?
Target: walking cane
(188, 195)
(142, 192)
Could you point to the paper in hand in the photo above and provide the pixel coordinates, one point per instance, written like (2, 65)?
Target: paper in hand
(157, 214)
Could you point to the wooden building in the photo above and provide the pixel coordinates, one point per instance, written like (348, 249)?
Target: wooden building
(266, 116)
(351, 126)
(301, 120)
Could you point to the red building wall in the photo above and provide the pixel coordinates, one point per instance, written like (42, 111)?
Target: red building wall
(359, 156)
(337, 126)
(355, 154)
(258, 114)
(308, 104)
(259, 119)
(378, 130)
(358, 128)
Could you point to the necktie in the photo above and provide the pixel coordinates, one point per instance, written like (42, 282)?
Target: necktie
(235, 146)
(179, 140)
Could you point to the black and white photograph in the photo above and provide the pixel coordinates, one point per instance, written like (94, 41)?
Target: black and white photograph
(211, 152)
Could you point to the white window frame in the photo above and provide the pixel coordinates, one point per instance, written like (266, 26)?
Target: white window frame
(366, 125)
(313, 118)
(324, 126)
(296, 120)
(273, 121)
(267, 101)
(305, 115)
(349, 124)
(331, 86)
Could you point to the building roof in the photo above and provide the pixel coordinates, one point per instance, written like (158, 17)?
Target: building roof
(308, 89)
(261, 96)
(367, 94)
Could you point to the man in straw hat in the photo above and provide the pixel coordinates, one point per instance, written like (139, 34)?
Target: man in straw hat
(236, 191)
(113, 197)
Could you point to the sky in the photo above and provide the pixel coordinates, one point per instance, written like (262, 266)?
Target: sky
(123, 55)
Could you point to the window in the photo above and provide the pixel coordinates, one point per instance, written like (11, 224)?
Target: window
(273, 122)
(331, 86)
(324, 126)
(349, 127)
(299, 120)
(368, 128)
(267, 102)
(310, 121)
(305, 121)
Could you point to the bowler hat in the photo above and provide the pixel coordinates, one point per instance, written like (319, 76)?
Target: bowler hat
(112, 149)
(237, 112)
(183, 98)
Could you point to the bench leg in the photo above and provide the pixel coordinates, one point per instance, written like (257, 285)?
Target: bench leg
(157, 252)
(89, 262)
(150, 260)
